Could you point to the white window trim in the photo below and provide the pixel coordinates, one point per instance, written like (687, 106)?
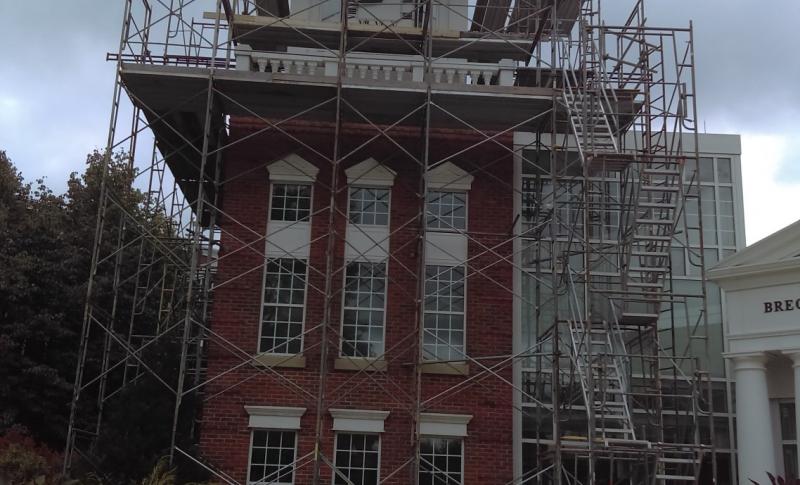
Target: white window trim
(444, 425)
(298, 223)
(261, 315)
(371, 226)
(292, 169)
(250, 458)
(370, 173)
(275, 417)
(449, 177)
(336, 450)
(466, 301)
(364, 421)
(454, 230)
(385, 307)
(461, 439)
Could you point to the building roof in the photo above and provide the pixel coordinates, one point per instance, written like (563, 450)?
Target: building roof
(778, 252)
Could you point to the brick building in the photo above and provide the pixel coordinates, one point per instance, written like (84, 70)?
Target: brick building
(450, 243)
(369, 372)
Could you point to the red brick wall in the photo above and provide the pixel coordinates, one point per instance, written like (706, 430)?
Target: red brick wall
(225, 436)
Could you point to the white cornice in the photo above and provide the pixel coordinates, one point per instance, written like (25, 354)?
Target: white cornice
(449, 176)
(756, 275)
(292, 168)
(358, 420)
(274, 417)
(436, 424)
(370, 173)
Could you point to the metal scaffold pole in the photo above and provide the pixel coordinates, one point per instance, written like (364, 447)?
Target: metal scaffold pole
(597, 387)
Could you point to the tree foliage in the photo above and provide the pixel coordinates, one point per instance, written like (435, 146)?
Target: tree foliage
(46, 247)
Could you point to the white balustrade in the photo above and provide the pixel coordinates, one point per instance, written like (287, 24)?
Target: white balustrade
(387, 68)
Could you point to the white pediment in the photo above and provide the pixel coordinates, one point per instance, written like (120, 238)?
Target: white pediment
(370, 173)
(776, 253)
(448, 176)
(292, 168)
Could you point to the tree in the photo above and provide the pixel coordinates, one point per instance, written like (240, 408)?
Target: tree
(46, 247)
(39, 317)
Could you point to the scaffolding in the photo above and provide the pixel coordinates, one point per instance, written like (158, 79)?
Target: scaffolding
(599, 122)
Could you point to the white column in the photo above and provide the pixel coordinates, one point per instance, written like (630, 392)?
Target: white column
(756, 447)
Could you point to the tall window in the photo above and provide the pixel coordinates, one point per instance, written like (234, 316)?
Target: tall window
(444, 313)
(446, 210)
(357, 458)
(272, 457)
(441, 461)
(369, 206)
(284, 305)
(788, 438)
(290, 202)
(364, 310)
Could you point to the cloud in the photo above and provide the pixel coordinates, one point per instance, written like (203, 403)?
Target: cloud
(770, 202)
(55, 90)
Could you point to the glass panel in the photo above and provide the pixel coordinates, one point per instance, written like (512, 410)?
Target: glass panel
(369, 206)
(706, 169)
(440, 461)
(282, 314)
(290, 202)
(446, 210)
(444, 313)
(357, 459)
(272, 457)
(790, 460)
(363, 315)
(788, 430)
(724, 170)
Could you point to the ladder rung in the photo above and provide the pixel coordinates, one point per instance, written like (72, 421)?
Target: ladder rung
(640, 284)
(651, 237)
(677, 460)
(657, 205)
(665, 222)
(659, 188)
(682, 478)
(642, 269)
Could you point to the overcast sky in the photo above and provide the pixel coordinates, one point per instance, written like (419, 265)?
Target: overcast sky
(55, 88)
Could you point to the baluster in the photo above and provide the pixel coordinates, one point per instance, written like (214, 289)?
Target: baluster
(262, 64)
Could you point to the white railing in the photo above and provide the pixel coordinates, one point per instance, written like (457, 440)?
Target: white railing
(381, 67)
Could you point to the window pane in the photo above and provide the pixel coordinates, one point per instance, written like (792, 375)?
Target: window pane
(363, 315)
(290, 202)
(706, 169)
(444, 313)
(724, 170)
(272, 457)
(690, 169)
(357, 458)
(790, 460)
(282, 314)
(369, 206)
(440, 461)
(446, 210)
(788, 430)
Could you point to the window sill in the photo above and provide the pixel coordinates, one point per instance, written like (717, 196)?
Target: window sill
(297, 361)
(360, 363)
(460, 368)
